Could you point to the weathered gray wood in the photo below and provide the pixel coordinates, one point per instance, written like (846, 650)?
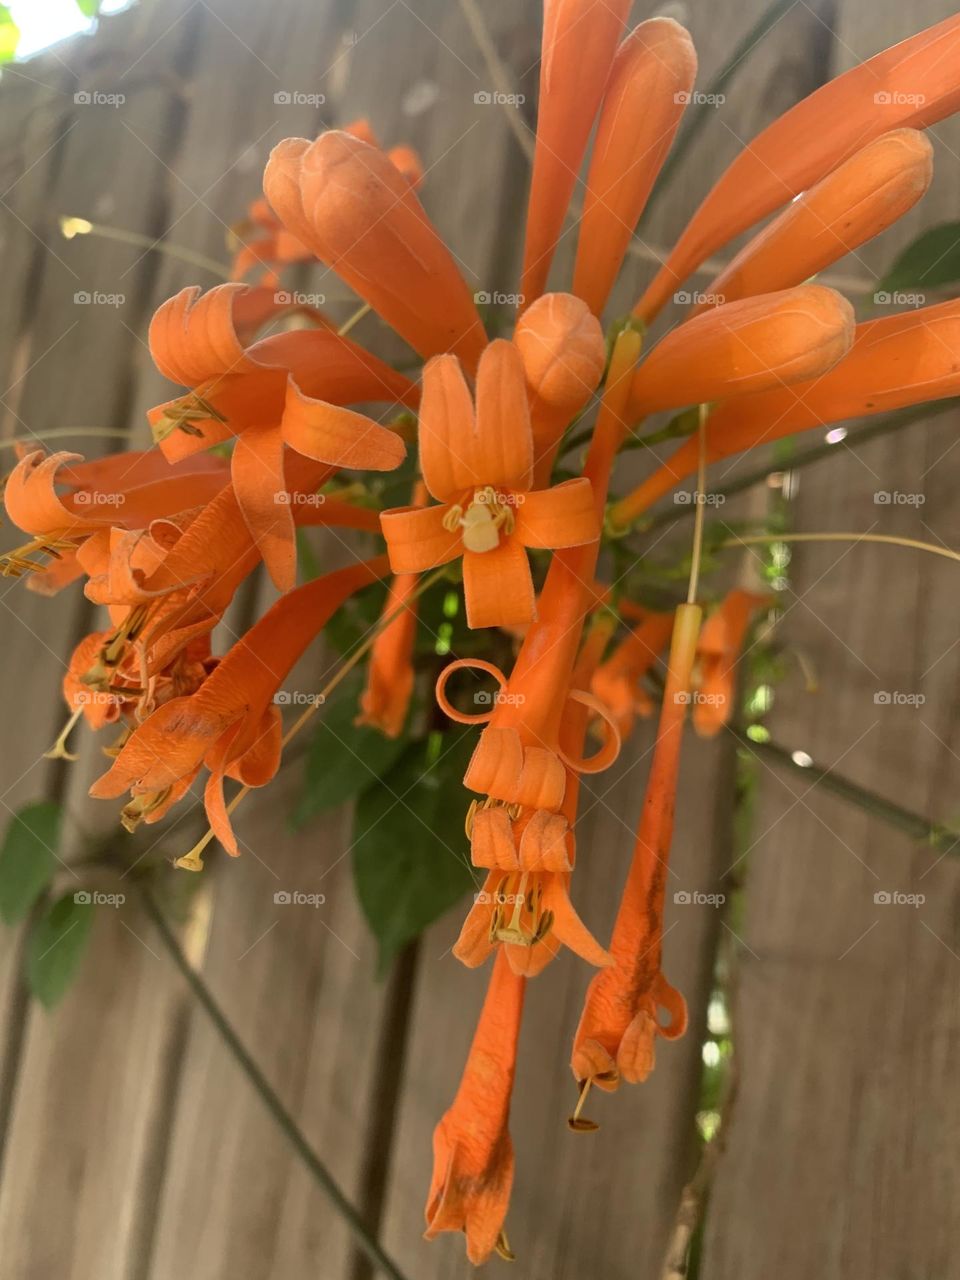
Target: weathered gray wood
(842, 1147)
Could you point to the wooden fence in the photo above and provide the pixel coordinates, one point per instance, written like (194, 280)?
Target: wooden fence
(133, 1147)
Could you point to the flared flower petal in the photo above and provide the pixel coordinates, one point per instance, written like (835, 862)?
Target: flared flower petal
(498, 587)
(417, 538)
(913, 84)
(461, 447)
(649, 86)
(564, 516)
(360, 216)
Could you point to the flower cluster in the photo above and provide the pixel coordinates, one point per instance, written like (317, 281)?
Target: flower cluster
(263, 426)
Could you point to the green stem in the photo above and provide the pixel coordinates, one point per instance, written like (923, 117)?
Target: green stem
(912, 824)
(271, 1101)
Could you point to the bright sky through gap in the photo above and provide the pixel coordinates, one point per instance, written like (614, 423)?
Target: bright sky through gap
(44, 22)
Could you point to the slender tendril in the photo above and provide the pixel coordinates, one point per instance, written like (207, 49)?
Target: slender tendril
(697, 554)
(888, 539)
(81, 226)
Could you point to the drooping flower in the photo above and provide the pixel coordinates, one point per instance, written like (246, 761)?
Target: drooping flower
(620, 1020)
(478, 463)
(473, 1159)
(230, 723)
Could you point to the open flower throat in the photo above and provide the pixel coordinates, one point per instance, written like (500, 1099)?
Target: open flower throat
(251, 448)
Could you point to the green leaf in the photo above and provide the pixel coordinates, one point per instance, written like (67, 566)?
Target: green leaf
(410, 852)
(28, 858)
(932, 260)
(344, 759)
(89, 8)
(9, 35)
(56, 946)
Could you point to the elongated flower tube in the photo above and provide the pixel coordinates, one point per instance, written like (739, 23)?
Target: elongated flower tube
(579, 41)
(619, 1024)
(913, 84)
(897, 361)
(745, 346)
(478, 462)
(649, 87)
(563, 353)
(360, 216)
(859, 199)
(473, 1160)
(230, 723)
(385, 700)
(718, 652)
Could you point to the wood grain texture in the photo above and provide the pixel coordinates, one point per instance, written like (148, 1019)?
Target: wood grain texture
(842, 1149)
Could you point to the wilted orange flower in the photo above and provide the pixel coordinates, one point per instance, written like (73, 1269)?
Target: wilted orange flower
(620, 1022)
(479, 464)
(230, 723)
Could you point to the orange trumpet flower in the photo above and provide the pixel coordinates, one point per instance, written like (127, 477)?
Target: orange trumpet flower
(579, 41)
(478, 463)
(649, 86)
(285, 390)
(913, 84)
(385, 700)
(859, 199)
(619, 1023)
(900, 360)
(347, 202)
(745, 346)
(271, 244)
(473, 1158)
(230, 724)
(561, 345)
